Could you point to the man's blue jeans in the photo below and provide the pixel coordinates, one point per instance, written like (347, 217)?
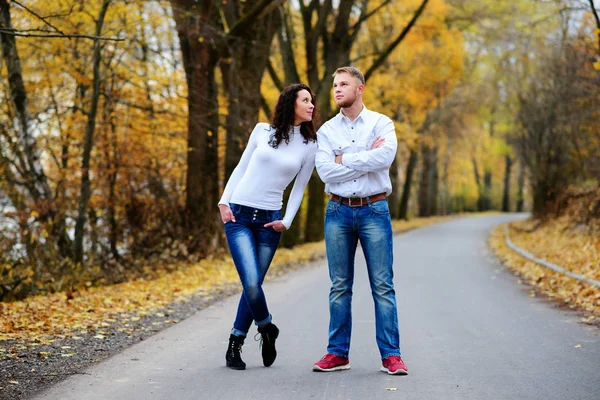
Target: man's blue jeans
(344, 227)
(252, 248)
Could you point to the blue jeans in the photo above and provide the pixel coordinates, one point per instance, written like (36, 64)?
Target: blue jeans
(252, 248)
(344, 227)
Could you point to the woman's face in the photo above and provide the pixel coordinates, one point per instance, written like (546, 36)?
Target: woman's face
(303, 108)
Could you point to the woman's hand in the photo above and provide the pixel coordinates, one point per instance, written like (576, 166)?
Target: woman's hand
(278, 226)
(226, 213)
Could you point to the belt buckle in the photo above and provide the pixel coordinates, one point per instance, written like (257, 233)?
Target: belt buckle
(355, 205)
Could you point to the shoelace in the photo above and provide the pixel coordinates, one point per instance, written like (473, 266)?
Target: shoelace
(236, 347)
(260, 338)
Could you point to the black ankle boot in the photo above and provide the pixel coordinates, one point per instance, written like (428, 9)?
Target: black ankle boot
(268, 335)
(233, 357)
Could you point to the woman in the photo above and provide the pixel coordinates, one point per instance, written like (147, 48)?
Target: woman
(251, 209)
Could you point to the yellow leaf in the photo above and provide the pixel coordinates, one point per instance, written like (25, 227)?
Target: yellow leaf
(68, 355)
(578, 346)
(13, 382)
(597, 65)
(391, 389)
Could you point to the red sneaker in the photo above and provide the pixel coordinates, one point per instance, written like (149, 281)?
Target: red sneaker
(331, 362)
(394, 365)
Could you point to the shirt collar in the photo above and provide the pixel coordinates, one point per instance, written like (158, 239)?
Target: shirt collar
(361, 115)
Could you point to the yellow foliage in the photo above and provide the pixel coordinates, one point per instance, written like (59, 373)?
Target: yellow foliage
(423, 69)
(557, 243)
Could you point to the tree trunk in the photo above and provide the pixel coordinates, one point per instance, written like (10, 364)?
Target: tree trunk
(36, 181)
(200, 54)
(85, 192)
(410, 169)
(521, 186)
(292, 236)
(506, 196)
(393, 199)
(247, 66)
(427, 185)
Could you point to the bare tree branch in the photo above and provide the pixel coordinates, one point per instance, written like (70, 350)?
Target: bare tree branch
(273, 75)
(396, 42)
(15, 32)
(354, 28)
(259, 10)
(597, 18)
(38, 16)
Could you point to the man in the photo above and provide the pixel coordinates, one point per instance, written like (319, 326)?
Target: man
(356, 149)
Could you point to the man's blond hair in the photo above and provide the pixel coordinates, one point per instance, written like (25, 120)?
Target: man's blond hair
(355, 72)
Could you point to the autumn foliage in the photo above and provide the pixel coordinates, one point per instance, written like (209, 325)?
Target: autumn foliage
(121, 120)
(570, 240)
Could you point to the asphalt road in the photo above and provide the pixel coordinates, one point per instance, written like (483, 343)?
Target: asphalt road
(469, 330)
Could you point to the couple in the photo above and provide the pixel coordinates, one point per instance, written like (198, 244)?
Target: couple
(354, 152)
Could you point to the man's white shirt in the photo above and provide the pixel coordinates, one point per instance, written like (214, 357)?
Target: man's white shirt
(363, 172)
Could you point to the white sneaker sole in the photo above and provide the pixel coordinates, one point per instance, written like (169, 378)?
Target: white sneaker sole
(338, 368)
(398, 372)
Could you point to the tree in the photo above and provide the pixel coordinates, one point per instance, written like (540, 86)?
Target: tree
(89, 139)
(208, 31)
(331, 30)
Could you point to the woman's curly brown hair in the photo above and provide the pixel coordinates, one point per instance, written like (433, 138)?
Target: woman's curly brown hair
(284, 116)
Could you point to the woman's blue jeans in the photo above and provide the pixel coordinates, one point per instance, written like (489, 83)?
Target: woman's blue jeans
(344, 227)
(252, 248)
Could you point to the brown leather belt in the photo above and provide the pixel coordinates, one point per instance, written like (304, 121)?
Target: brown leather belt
(358, 201)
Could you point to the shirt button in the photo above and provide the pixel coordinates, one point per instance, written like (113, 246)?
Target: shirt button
(353, 141)
(355, 180)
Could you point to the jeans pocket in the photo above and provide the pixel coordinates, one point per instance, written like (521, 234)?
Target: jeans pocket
(380, 207)
(332, 207)
(235, 208)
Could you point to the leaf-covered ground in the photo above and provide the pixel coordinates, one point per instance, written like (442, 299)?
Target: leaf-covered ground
(561, 242)
(43, 339)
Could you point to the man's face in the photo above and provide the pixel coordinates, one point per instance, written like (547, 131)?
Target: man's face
(346, 89)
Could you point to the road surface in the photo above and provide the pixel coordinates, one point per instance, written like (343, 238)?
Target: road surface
(469, 330)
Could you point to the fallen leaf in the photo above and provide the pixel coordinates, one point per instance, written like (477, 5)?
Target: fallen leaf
(391, 389)
(13, 382)
(578, 346)
(68, 355)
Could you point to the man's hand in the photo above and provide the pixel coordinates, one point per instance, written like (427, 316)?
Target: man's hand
(378, 142)
(226, 213)
(278, 226)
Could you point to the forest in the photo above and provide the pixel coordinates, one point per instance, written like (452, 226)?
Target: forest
(121, 120)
